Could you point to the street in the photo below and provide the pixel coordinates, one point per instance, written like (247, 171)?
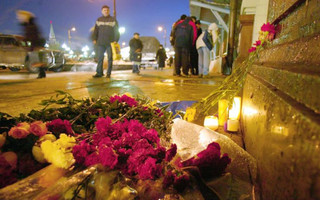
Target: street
(21, 91)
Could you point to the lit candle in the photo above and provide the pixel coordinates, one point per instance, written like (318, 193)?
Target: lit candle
(211, 122)
(234, 112)
(223, 111)
(233, 125)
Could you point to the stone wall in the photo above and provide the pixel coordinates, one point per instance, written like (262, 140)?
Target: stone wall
(281, 106)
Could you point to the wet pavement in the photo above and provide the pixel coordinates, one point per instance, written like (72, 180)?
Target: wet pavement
(21, 91)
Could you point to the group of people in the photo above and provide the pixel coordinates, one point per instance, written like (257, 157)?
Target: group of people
(192, 46)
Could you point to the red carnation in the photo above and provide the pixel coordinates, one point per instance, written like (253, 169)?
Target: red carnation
(149, 169)
(171, 152)
(58, 126)
(108, 157)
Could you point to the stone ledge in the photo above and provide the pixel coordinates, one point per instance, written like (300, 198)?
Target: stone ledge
(304, 88)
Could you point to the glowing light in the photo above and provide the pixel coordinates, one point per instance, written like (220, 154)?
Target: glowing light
(160, 28)
(85, 48)
(122, 30)
(223, 111)
(234, 112)
(211, 122)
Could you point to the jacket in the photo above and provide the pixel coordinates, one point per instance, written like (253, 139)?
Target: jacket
(106, 30)
(135, 49)
(183, 35)
(194, 29)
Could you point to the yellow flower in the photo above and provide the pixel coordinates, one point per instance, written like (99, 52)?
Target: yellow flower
(128, 94)
(190, 114)
(59, 152)
(66, 141)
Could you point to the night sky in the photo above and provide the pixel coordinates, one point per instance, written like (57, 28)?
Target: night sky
(143, 16)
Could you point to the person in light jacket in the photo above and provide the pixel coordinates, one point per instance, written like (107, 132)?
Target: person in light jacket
(204, 44)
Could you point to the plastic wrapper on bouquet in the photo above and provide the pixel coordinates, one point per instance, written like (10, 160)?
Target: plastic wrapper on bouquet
(31, 186)
(191, 139)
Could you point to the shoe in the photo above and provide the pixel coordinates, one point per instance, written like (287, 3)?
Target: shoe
(200, 76)
(186, 75)
(96, 76)
(108, 76)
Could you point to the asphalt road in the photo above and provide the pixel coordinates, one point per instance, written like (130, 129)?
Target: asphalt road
(21, 91)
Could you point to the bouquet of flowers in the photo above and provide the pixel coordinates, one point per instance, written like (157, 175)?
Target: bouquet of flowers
(125, 140)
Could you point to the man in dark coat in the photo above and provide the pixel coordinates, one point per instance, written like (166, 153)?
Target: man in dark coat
(161, 57)
(135, 52)
(32, 36)
(105, 32)
(183, 40)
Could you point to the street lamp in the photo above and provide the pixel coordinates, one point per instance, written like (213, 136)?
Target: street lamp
(160, 29)
(69, 34)
(122, 30)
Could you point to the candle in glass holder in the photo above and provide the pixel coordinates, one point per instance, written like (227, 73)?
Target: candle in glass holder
(234, 112)
(211, 122)
(223, 111)
(233, 125)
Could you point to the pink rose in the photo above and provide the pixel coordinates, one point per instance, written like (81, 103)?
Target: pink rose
(268, 27)
(38, 128)
(252, 49)
(258, 43)
(20, 131)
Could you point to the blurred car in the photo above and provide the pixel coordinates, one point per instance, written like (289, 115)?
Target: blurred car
(14, 54)
(149, 60)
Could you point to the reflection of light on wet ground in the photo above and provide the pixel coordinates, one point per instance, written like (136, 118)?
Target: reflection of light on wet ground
(18, 76)
(168, 82)
(186, 81)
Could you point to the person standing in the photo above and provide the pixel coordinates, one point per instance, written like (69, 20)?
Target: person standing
(105, 32)
(135, 52)
(183, 40)
(33, 37)
(193, 50)
(205, 43)
(194, 56)
(161, 57)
